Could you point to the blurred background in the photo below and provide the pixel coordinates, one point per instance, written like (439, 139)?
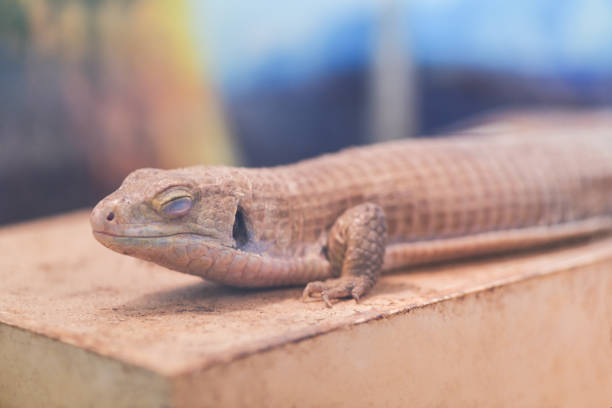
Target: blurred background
(93, 89)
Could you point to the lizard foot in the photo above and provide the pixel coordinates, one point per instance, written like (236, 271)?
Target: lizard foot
(346, 286)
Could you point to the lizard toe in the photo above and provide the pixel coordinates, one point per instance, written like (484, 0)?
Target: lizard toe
(339, 288)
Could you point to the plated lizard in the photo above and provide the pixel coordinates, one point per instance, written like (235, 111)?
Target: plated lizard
(336, 221)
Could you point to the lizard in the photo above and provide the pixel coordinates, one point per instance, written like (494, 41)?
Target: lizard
(335, 222)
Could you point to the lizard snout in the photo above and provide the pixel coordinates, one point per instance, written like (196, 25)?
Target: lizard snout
(105, 217)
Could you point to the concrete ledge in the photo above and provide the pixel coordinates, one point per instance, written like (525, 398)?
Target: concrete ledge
(83, 326)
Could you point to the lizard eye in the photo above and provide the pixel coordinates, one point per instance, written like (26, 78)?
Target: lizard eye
(174, 202)
(177, 207)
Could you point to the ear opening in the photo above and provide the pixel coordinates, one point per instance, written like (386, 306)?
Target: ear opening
(240, 232)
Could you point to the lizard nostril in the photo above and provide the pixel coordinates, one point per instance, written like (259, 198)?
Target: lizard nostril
(110, 216)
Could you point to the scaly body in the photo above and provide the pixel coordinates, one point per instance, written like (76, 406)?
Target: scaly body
(336, 221)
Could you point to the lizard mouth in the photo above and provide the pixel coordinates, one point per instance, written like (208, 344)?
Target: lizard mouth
(127, 243)
(108, 234)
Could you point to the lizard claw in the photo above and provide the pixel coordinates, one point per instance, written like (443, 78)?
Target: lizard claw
(348, 286)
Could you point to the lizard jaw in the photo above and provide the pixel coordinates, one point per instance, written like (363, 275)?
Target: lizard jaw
(184, 252)
(196, 255)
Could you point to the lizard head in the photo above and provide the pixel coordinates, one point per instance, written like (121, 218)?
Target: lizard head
(183, 219)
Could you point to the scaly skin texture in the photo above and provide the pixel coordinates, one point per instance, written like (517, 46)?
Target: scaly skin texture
(336, 221)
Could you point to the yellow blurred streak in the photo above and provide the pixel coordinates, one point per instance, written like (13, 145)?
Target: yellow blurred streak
(165, 24)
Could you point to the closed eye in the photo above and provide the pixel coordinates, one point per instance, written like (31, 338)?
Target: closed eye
(177, 207)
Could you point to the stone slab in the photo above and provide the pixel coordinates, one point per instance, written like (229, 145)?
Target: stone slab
(83, 326)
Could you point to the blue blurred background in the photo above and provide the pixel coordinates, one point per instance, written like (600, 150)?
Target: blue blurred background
(90, 90)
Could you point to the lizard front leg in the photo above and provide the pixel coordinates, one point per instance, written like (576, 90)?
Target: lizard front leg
(355, 249)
